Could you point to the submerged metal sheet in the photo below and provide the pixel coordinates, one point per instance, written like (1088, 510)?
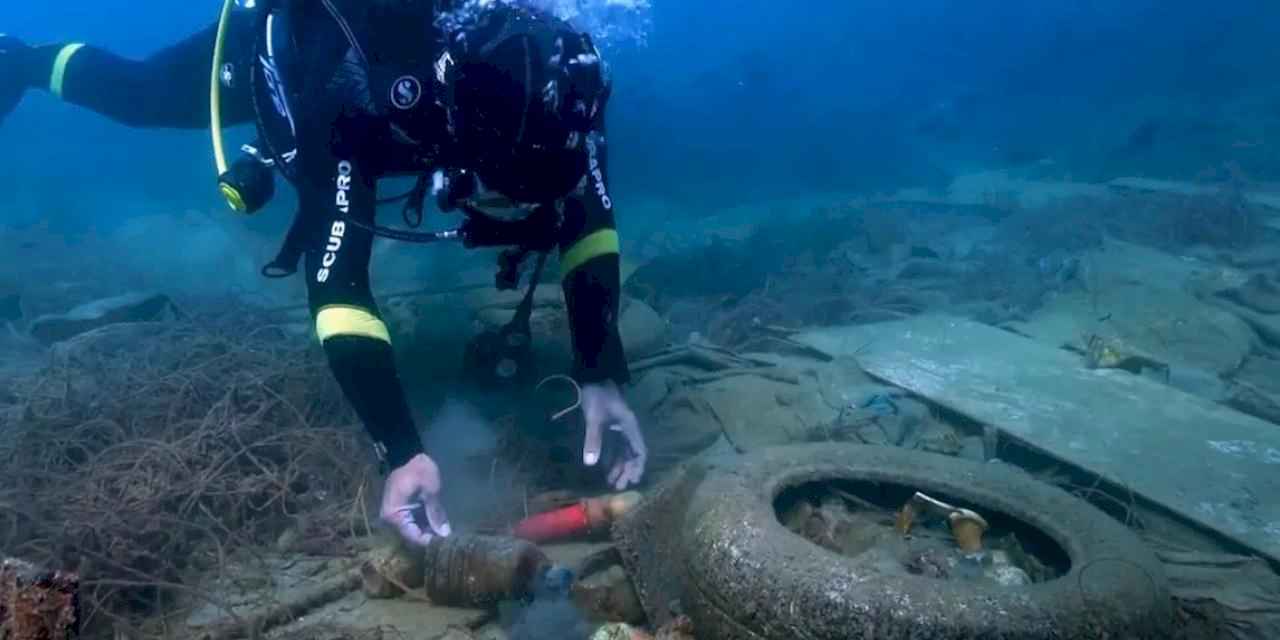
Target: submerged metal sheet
(1209, 463)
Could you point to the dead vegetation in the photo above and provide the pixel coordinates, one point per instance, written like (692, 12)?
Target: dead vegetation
(146, 467)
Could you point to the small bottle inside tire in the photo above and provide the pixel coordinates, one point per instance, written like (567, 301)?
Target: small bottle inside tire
(476, 570)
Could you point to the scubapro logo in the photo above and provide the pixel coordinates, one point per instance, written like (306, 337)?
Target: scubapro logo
(597, 173)
(339, 228)
(405, 92)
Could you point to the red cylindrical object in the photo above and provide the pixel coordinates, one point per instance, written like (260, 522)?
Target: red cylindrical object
(564, 522)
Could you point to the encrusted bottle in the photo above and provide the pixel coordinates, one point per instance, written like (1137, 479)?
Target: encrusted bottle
(477, 570)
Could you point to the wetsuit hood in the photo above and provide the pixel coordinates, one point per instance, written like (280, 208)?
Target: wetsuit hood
(523, 89)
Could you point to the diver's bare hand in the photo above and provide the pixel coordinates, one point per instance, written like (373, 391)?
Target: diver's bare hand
(410, 497)
(603, 406)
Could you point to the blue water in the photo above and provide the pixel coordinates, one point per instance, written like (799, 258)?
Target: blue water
(730, 123)
(729, 101)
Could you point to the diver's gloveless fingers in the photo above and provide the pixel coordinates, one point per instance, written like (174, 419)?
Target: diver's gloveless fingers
(406, 492)
(407, 525)
(629, 427)
(636, 468)
(615, 474)
(630, 467)
(594, 415)
(627, 473)
(624, 478)
(436, 516)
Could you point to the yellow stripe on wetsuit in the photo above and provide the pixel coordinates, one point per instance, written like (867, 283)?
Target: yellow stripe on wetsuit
(345, 320)
(600, 243)
(59, 74)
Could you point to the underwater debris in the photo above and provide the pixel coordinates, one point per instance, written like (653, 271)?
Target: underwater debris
(141, 484)
(921, 505)
(462, 570)
(37, 604)
(477, 570)
(392, 570)
(1113, 353)
(968, 528)
(584, 517)
(679, 546)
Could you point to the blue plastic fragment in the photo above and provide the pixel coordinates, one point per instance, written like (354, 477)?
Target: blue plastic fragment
(881, 404)
(558, 580)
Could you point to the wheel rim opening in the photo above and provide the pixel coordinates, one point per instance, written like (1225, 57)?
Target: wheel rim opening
(862, 519)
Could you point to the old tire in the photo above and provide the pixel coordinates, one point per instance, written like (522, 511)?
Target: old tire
(743, 575)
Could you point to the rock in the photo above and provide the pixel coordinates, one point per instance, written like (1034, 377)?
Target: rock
(1249, 399)
(1258, 293)
(546, 295)
(608, 596)
(1267, 327)
(680, 421)
(133, 307)
(1262, 372)
(643, 331)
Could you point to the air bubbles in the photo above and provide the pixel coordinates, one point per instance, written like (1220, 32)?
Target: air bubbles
(609, 22)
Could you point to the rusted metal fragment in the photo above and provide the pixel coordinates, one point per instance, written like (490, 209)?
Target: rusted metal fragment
(36, 604)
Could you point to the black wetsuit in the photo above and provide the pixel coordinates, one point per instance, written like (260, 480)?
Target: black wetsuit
(350, 130)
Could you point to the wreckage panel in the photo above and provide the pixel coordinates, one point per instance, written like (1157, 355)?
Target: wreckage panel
(1209, 463)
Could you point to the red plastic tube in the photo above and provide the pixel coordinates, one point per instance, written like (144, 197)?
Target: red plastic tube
(565, 522)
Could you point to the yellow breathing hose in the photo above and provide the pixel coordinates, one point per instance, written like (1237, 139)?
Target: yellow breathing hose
(215, 90)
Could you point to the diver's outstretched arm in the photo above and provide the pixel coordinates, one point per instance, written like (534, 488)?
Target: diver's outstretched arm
(169, 89)
(590, 270)
(332, 190)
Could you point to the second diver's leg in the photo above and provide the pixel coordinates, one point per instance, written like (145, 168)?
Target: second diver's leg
(169, 89)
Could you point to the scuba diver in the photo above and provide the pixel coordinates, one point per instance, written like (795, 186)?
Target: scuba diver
(342, 93)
